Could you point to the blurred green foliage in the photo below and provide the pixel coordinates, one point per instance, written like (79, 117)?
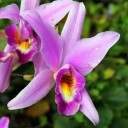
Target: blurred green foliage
(107, 84)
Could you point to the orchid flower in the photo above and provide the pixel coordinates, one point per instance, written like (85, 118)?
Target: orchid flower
(4, 122)
(22, 42)
(67, 59)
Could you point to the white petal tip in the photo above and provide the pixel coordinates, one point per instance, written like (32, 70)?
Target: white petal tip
(82, 6)
(11, 106)
(96, 121)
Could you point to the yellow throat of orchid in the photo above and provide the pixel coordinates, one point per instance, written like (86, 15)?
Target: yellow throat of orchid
(67, 85)
(24, 46)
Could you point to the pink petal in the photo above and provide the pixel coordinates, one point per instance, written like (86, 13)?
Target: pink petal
(6, 69)
(37, 89)
(53, 12)
(4, 122)
(25, 30)
(10, 12)
(39, 63)
(51, 41)
(73, 26)
(5, 72)
(29, 4)
(13, 35)
(88, 108)
(88, 53)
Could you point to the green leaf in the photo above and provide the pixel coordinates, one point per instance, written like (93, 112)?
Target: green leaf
(86, 28)
(119, 123)
(79, 117)
(65, 122)
(43, 120)
(108, 73)
(123, 71)
(116, 98)
(105, 115)
(93, 76)
(2, 43)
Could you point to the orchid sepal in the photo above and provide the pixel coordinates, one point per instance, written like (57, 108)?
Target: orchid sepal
(10, 12)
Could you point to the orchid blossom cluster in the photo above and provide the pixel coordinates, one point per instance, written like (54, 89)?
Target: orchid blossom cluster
(61, 60)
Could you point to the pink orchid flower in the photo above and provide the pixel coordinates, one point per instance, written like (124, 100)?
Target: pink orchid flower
(23, 43)
(4, 122)
(67, 59)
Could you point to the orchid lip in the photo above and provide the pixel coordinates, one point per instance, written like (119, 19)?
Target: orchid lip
(25, 46)
(23, 42)
(69, 82)
(67, 86)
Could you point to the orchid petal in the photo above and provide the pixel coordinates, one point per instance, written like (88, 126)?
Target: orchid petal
(13, 35)
(25, 30)
(12, 31)
(88, 108)
(4, 122)
(89, 52)
(53, 12)
(10, 12)
(5, 70)
(29, 4)
(73, 27)
(51, 41)
(37, 89)
(39, 63)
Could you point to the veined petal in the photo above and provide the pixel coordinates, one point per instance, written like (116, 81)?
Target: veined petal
(10, 12)
(88, 108)
(53, 12)
(37, 89)
(5, 70)
(39, 63)
(73, 27)
(29, 5)
(89, 52)
(4, 122)
(69, 83)
(51, 41)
